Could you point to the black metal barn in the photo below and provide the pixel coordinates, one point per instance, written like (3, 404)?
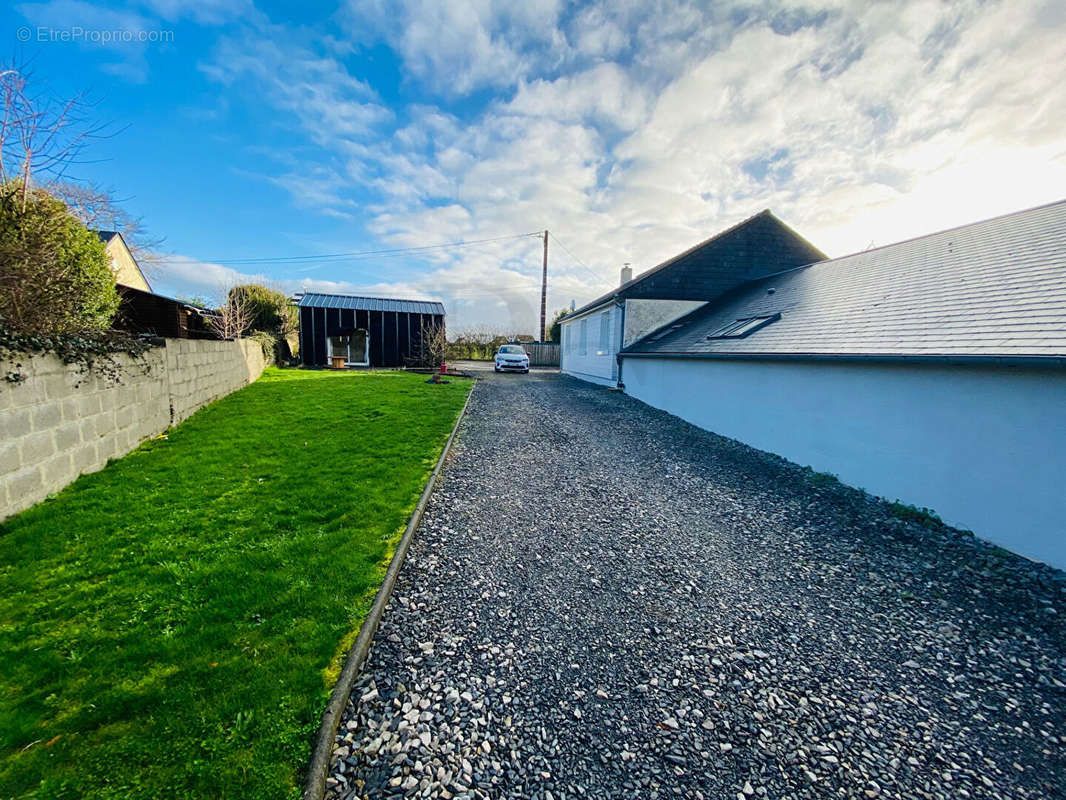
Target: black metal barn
(366, 331)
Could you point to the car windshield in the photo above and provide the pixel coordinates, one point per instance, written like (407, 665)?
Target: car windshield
(512, 349)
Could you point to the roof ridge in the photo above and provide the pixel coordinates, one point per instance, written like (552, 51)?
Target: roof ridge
(766, 212)
(953, 228)
(369, 297)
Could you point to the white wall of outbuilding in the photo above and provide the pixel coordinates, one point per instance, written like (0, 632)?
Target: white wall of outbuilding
(982, 446)
(590, 345)
(593, 355)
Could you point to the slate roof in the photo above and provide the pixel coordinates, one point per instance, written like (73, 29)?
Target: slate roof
(318, 300)
(760, 245)
(992, 289)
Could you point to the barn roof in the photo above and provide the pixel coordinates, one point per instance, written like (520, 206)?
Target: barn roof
(991, 289)
(760, 245)
(358, 303)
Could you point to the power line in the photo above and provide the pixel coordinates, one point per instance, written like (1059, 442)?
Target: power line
(367, 253)
(350, 262)
(579, 262)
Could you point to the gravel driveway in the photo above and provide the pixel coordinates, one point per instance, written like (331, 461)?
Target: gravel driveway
(603, 601)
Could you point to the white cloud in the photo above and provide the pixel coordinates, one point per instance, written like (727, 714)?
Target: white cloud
(635, 130)
(461, 46)
(603, 95)
(311, 89)
(204, 12)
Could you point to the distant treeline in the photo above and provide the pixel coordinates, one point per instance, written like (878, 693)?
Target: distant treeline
(479, 345)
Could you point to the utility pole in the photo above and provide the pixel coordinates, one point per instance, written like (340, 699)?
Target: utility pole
(544, 292)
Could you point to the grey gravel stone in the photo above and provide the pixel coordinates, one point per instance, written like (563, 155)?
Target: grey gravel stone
(604, 602)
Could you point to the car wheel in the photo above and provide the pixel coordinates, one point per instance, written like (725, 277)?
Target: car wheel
(525, 372)
(495, 369)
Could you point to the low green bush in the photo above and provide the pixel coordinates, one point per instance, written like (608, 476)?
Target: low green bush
(925, 517)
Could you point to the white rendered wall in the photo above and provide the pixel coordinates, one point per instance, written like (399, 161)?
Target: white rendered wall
(983, 447)
(597, 361)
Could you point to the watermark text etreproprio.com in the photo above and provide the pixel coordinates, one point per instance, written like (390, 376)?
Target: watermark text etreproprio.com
(76, 33)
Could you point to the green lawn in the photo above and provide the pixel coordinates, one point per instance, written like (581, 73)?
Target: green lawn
(170, 626)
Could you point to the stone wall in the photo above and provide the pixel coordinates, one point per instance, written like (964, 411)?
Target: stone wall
(58, 423)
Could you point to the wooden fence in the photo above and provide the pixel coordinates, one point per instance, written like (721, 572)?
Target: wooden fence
(541, 354)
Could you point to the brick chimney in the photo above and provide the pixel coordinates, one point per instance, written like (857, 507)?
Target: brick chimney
(627, 273)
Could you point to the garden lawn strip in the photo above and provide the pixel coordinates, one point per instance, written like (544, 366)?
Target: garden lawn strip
(171, 625)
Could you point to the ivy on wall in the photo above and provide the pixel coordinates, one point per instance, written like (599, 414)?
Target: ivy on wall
(93, 353)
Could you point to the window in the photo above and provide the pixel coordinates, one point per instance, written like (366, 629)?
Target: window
(605, 335)
(745, 326)
(353, 346)
(583, 343)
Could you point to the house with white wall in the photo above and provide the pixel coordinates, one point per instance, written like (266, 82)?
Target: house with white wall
(593, 335)
(932, 371)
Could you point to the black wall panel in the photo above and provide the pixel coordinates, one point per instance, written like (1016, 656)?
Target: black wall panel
(320, 335)
(375, 332)
(404, 345)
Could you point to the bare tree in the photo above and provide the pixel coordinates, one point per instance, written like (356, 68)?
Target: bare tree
(233, 317)
(432, 345)
(38, 134)
(98, 209)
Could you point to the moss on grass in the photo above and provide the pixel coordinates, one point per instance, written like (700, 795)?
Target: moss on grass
(171, 625)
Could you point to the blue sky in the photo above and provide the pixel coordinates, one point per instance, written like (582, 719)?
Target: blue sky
(630, 130)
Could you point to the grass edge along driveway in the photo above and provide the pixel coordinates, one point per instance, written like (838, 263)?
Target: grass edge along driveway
(171, 625)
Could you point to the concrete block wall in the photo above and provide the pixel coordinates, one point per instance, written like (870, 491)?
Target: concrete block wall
(200, 371)
(59, 423)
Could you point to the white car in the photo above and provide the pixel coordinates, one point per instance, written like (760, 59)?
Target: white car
(512, 358)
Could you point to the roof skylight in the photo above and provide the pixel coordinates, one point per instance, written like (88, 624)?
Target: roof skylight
(745, 326)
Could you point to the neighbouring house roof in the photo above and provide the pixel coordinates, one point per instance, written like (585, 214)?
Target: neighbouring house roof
(993, 289)
(760, 245)
(357, 303)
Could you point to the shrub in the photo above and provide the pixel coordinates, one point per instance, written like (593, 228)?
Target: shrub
(55, 274)
(270, 310)
(267, 313)
(271, 345)
(555, 333)
(925, 517)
